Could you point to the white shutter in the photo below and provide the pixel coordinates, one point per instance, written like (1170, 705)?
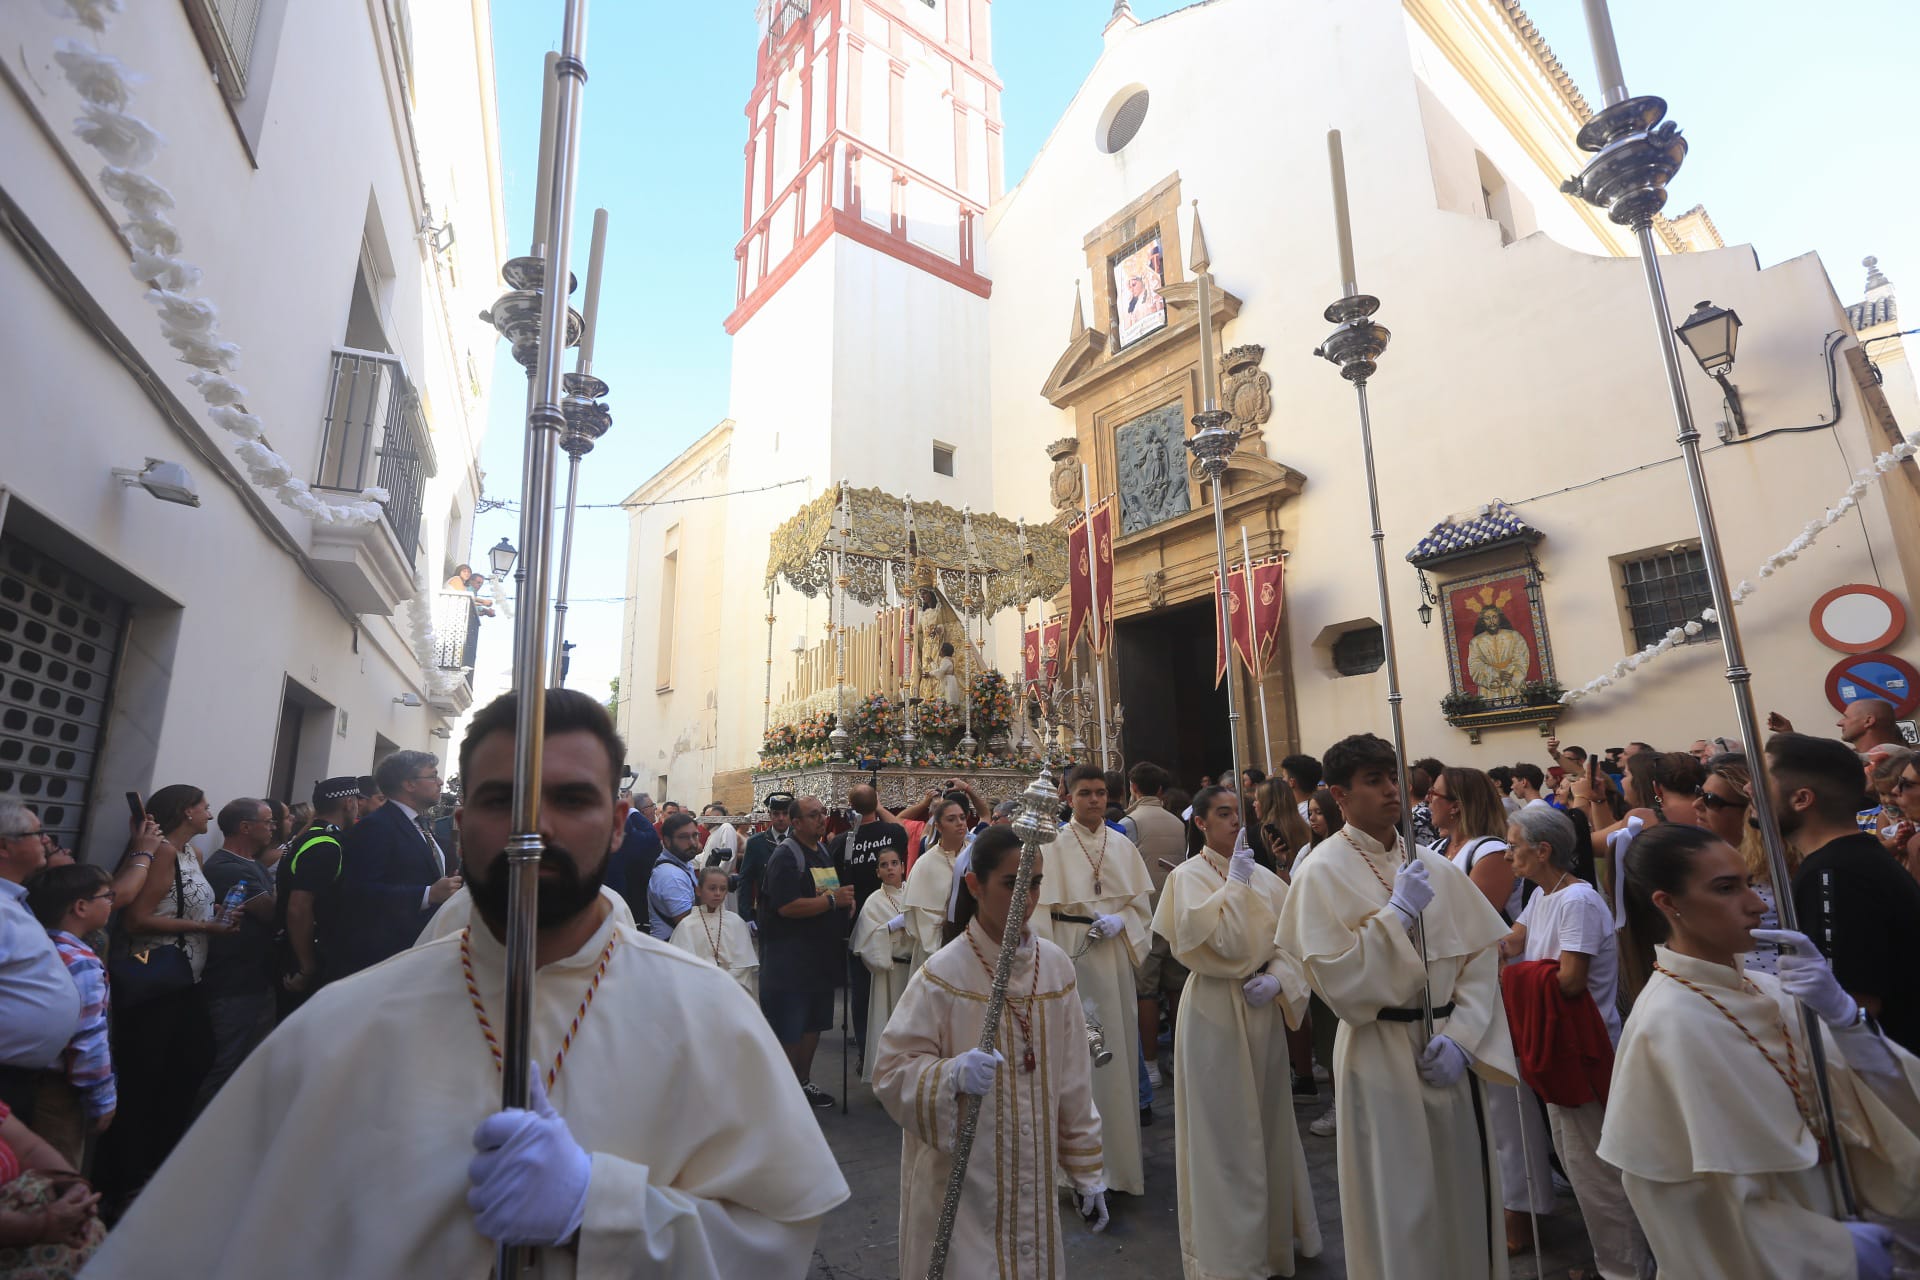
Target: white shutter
(227, 29)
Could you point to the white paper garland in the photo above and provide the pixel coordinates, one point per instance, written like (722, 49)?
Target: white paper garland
(191, 324)
(1863, 480)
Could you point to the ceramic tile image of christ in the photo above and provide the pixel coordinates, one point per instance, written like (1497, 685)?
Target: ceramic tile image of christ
(1138, 278)
(1495, 643)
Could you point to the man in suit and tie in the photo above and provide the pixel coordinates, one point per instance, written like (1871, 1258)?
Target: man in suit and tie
(395, 871)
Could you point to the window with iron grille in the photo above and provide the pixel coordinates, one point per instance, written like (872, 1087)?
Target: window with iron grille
(1666, 590)
(1360, 651)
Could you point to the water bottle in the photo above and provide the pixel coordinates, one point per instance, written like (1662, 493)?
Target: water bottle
(235, 899)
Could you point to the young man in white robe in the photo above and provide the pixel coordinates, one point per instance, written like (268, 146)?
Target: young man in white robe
(1246, 1206)
(885, 947)
(346, 1144)
(718, 935)
(1036, 1117)
(1094, 907)
(1714, 1119)
(1418, 1197)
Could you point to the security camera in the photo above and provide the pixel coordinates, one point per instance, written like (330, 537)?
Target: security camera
(167, 481)
(408, 699)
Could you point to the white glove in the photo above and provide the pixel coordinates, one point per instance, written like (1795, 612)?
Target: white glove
(1442, 1062)
(1872, 1249)
(898, 923)
(529, 1182)
(1093, 1207)
(1260, 989)
(1107, 926)
(1240, 866)
(1808, 978)
(972, 1072)
(1412, 891)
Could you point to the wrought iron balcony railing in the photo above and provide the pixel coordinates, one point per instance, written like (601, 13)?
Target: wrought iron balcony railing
(456, 632)
(376, 434)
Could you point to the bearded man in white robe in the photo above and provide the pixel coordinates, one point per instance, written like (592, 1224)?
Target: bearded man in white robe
(1418, 1197)
(365, 1137)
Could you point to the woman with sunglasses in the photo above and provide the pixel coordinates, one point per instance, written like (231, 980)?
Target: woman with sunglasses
(1723, 804)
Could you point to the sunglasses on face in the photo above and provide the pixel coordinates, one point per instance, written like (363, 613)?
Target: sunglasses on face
(1902, 784)
(1715, 802)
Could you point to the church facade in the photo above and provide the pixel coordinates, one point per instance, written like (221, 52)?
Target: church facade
(993, 348)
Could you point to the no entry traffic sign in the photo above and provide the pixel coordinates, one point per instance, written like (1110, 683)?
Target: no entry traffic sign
(1874, 675)
(1857, 618)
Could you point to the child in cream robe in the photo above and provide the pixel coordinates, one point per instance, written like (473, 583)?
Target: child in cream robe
(1033, 1125)
(1105, 971)
(1246, 1207)
(1418, 1193)
(1725, 1179)
(716, 934)
(887, 952)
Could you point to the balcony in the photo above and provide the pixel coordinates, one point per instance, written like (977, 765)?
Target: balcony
(373, 434)
(456, 637)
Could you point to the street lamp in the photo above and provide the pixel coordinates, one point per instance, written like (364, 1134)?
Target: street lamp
(502, 557)
(1711, 334)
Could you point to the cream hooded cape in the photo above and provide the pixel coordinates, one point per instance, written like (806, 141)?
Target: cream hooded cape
(1033, 1125)
(1105, 973)
(1418, 1192)
(1246, 1207)
(722, 939)
(928, 885)
(888, 957)
(340, 1148)
(1722, 1172)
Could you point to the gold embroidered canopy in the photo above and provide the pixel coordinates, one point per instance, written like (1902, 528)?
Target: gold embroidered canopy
(960, 548)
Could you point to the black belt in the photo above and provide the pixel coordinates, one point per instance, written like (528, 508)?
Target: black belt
(1414, 1015)
(1063, 918)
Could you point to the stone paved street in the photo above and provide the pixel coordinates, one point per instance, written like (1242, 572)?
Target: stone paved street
(859, 1241)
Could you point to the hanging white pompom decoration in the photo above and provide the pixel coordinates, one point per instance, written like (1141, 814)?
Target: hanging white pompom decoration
(125, 140)
(95, 76)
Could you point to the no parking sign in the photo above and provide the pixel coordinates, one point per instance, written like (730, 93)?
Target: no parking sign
(1874, 675)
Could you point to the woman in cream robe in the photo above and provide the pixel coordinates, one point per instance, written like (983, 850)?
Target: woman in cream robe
(721, 936)
(1068, 901)
(1246, 1207)
(930, 883)
(1032, 1124)
(1722, 1169)
(888, 955)
(1418, 1195)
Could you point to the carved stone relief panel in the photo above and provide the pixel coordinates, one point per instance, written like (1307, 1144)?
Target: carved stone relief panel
(1150, 467)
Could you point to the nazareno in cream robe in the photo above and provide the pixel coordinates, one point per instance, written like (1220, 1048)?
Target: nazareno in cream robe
(1721, 1170)
(722, 938)
(1419, 1196)
(340, 1147)
(1105, 970)
(1034, 1126)
(888, 957)
(929, 884)
(1245, 1204)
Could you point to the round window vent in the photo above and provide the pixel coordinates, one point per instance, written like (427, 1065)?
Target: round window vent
(1123, 118)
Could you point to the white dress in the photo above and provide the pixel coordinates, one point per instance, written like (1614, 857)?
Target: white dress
(721, 938)
(888, 955)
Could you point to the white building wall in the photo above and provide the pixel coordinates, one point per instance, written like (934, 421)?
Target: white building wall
(227, 609)
(1513, 372)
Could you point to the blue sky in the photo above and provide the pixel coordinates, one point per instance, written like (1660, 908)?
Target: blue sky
(1802, 139)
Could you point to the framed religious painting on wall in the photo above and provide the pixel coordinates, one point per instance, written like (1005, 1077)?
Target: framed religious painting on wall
(1498, 654)
(1139, 277)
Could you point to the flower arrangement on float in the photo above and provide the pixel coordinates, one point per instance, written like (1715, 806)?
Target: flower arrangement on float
(993, 703)
(877, 718)
(936, 718)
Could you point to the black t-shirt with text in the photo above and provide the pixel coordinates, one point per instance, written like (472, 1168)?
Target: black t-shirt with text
(807, 954)
(1862, 910)
(856, 855)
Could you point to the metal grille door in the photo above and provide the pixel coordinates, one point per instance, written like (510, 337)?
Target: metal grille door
(59, 634)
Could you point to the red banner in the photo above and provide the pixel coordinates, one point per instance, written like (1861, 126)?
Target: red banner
(1079, 585)
(1030, 655)
(1050, 650)
(1103, 585)
(1266, 595)
(1239, 616)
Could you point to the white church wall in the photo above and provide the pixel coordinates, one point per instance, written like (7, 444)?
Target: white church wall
(1513, 372)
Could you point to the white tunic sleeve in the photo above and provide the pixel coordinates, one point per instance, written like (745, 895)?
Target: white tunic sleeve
(635, 1228)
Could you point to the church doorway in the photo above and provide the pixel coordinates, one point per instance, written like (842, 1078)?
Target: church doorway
(1176, 716)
